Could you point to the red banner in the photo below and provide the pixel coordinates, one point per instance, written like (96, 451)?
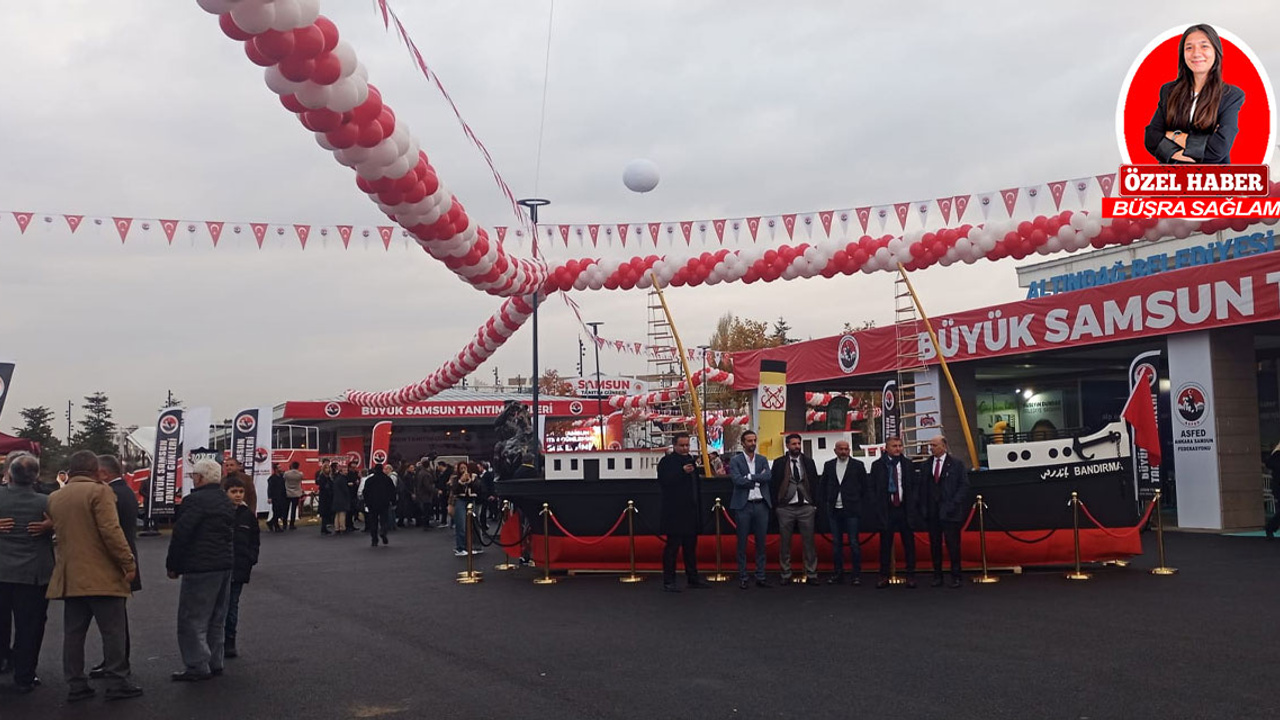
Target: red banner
(1236, 292)
(444, 409)
(380, 443)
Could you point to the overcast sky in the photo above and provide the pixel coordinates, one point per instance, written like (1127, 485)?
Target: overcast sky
(143, 108)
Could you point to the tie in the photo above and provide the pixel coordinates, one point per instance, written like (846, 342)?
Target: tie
(937, 471)
(897, 484)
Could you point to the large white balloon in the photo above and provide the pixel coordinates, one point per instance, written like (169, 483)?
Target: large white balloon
(640, 176)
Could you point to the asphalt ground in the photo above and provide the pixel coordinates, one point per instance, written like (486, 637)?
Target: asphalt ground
(332, 628)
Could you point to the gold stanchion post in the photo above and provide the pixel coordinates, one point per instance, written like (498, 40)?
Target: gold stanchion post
(506, 563)
(1162, 569)
(719, 576)
(985, 577)
(631, 511)
(546, 578)
(894, 579)
(470, 576)
(1076, 574)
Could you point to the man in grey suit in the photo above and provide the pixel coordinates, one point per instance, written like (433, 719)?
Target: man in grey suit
(26, 564)
(750, 505)
(111, 474)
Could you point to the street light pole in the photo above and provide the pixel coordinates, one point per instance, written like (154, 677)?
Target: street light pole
(595, 329)
(532, 205)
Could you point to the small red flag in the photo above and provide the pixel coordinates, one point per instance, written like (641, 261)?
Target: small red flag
(1140, 413)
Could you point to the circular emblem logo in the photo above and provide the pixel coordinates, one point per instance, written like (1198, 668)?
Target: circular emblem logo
(575, 407)
(889, 400)
(1145, 369)
(333, 409)
(847, 354)
(261, 455)
(246, 423)
(379, 456)
(169, 424)
(1192, 404)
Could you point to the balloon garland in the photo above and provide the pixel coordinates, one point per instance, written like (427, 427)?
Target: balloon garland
(675, 392)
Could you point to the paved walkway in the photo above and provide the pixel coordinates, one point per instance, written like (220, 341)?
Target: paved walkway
(332, 628)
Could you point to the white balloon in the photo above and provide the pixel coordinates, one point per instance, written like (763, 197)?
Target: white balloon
(344, 95)
(346, 57)
(323, 141)
(354, 155)
(640, 176)
(216, 7)
(254, 18)
(312, 95)
(397, 169)
(896, 245)
(400, 136)
(384, 153)
(308, 12)
(288, 16)
(278, 83)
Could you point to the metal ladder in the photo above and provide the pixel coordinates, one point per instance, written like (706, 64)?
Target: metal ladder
(912, 388)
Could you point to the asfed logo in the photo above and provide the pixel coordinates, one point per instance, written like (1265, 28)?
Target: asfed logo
(354, 457)
(1192, 404)
(889, 399)
(169, 424)
(575, 407)
(261, 455)
(333, 409)
(379, 456)
(847, 354)
(1145, 369)
(246, 423)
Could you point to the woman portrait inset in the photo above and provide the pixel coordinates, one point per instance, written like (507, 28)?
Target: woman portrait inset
(1197, 119)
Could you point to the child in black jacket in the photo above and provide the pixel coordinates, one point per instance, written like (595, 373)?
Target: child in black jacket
(246, 554)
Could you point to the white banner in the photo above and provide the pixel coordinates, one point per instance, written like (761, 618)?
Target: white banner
(1195, 433)
(586, 387)
(195, 435)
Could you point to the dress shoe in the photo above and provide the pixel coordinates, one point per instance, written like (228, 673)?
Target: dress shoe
(857, 581)
(385, 541)
(835, 580)
(811, 581)
(188, 676)
(123, 691)
(6, 666)
(229, 651)
(79, 694)
(17, 689)
(785, 581)
(97, 673)
(698, 585)
(670, 587)
(375, 542)
(884, 583)
(956, 584)
(936, 582)
(744, 584)
(215, 672)
(763, 583)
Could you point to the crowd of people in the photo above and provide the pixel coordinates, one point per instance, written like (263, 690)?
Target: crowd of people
(91, 518)
(902, 495)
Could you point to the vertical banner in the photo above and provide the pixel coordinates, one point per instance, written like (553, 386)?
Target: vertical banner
(6, 376)
(1195, 433)
(251, 445)
(161, 496)
(1150, 367)
(195, 435)
(928, 409)
(380, 444)
(889, 417)
(771, 407)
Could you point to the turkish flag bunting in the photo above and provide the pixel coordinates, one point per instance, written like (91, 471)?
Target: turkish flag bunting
(1010, 197)
(622, 234)
(215, 230)
(789, 222)
(1140, 413)
(864, 217)
(901, 210)
(825, 216)
(719, 226)
(961, 202)
(594, 230)
(686, 227)
(345, 232)
(1106, 182)
(74, 221)
(122, 226)
(24, 219)
(502, 232)
(944, 204)
(259, 232)
(753, 224)
(169, 227)
(564, 234)
(304, 232)
(1056, 189)
(385, 231)
(654, 230)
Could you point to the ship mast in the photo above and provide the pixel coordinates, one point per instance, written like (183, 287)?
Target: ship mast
(688, 379)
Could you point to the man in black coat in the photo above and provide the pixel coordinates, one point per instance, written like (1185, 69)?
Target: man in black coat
(795, 480)
(681, 513)
(352, 479)
(844, 482)
(943, 501)
(895, 499)
(201, 552)
(278, 496)
(112, 474)
(379, 496)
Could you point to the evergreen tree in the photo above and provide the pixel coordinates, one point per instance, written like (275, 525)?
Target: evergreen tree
(170, 402)
(38, 426)
(781, 332)
(97, 429)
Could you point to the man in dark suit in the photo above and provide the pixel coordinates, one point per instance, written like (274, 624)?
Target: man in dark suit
(681, 513)
(943, 500)
(750, 505)
(111, 474)
(278, 496)
(895, 499)
(844, 482)
(795, 480)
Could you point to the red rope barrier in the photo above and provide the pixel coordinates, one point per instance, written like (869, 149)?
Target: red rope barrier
(577, 539)
(1128, 531)
(732, 524)
(973, 510)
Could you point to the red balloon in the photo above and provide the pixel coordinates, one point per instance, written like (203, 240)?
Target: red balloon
(406, 183)
(1011, 237)
(750, 276)
(852, 247)
(387, 119)
(330, 32)
(308, 42)
(416, 193)
(390, 197)
(770, 255)
(1038, 238)
(611, 282)
(290, 103)
(370, 135)
(327, 70)
(369, 110)
(231, 29)
(274, 44)
(431, 183)
(297, 69)
(365, 186)
(472, 257)
(1136, 231)
(256, 57)
(860, 257)
(918, 250)
(322, 120)
(344, 137)
(1039, 222)
(1025, 228)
